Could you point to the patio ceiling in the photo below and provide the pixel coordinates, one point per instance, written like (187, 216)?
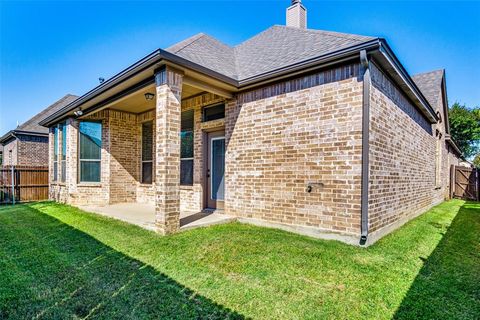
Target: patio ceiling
(136, 102)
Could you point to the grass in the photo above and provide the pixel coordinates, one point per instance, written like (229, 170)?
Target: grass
(58, 262)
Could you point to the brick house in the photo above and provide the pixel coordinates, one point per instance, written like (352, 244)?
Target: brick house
(317, 132)
(27, 145)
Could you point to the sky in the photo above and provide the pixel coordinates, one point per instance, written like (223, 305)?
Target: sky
(49, 49)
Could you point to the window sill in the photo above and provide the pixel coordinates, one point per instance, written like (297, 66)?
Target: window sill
(186, 187)
(146, 185)
(90, 184)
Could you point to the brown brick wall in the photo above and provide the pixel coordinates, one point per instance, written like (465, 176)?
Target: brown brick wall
(280, 139)
(124, 156)
(145, 192)
(402, 156)
(32, 151)
(297, 135)
(27, 151)
(10, 149)
(447, 158)
(167, 145)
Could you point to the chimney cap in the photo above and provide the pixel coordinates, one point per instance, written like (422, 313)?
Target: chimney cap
(294, 2)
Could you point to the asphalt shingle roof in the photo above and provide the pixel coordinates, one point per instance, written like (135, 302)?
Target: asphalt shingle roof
(274, 48)
(32, 125)
(430, 84)
(208, 52)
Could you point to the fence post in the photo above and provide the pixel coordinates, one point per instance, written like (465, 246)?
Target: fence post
(13, 184)
(477, 180)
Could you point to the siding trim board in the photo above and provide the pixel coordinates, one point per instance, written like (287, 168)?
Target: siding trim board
(402, 79)
(382, 82)
(318, 78)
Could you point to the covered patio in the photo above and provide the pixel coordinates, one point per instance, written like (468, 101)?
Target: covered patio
(148, 150)
(143, 215)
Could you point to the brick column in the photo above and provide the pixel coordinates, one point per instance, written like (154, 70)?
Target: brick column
(167, 169)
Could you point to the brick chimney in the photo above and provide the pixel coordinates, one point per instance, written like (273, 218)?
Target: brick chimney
(297, 15)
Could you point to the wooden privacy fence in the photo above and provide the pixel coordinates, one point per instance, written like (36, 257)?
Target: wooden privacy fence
(22, 184)
(465, 183)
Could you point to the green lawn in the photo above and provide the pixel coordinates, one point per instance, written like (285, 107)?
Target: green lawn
(58, 262)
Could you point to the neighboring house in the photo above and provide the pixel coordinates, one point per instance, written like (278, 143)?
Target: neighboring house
(319, 132)
(27, 145)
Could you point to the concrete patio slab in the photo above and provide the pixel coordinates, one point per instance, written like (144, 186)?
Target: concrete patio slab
(143, 215)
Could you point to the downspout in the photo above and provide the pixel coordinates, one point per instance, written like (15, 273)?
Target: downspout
(365, 146)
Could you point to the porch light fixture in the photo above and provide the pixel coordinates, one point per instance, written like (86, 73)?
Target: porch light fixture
(149, 96)
(78, 113)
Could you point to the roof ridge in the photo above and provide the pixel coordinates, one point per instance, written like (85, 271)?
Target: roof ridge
(206, 35)
(347, 36)
(187, 42)
(343, 35)
(197, 37)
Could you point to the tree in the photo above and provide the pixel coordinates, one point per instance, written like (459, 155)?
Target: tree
(465, 128)
(476, 161)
